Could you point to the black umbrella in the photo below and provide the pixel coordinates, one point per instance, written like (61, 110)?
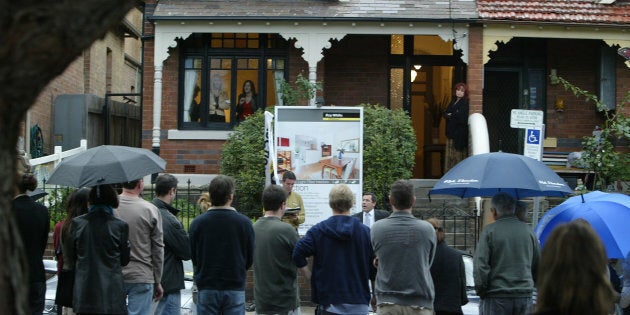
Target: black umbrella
(37, 193)
(106, 164)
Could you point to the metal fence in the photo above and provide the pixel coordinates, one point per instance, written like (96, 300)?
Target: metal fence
(461, 226)
(186, 201)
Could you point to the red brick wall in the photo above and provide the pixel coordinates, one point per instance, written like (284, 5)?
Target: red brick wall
(357, 71)
(475, 68)
(577, 62)
(69, 82)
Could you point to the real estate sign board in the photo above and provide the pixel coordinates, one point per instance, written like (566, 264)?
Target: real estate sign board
(323, 147)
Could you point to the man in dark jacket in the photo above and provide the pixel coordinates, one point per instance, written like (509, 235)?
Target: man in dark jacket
(342, 258)
(222, 243)
(176, 245)
(33, 224)
(449, 276)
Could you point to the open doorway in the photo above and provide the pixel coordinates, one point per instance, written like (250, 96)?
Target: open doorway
(423, 70)
(430, 95)
(501, 94)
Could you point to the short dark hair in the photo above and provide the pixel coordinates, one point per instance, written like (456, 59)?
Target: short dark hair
(26, 181)
(288, 175)
(273, 197)
(131, 184)
(164, 183)
(503, 203)
(220, 189)
(372, 195)
(103, 195)
(401, 194)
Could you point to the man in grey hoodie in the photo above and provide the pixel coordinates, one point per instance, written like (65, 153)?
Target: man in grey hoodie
(404, 247)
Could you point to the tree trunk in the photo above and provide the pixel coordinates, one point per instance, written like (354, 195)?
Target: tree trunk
(39, 40)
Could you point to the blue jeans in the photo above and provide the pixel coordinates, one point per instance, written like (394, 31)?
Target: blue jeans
(213, 302)
(169, 304)
(139, 298)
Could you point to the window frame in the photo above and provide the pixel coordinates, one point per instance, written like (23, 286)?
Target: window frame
(198, 45)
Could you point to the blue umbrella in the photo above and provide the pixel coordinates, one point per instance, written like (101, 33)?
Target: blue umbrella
(484, 175)
(608, 213)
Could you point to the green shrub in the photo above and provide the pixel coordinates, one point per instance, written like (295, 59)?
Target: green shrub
(243, 159)
(389, 147)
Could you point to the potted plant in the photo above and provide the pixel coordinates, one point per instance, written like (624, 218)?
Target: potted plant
(436, 109)
(341, 151)
(600, 155)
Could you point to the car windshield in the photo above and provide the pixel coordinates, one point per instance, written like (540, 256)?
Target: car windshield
(468, 265)
(188, 270)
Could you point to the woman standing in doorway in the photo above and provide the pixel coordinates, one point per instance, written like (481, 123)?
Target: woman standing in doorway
(456, 115)
(246, 101)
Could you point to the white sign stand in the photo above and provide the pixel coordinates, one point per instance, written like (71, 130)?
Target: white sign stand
(532, 122)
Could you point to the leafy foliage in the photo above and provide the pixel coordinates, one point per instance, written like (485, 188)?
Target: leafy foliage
(599, 151)
(243, 159)
(389, 146)
(56, 201)
(303, 90)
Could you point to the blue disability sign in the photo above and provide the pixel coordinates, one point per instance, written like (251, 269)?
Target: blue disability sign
(533, 136)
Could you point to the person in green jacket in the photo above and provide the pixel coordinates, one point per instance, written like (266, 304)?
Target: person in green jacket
(505, 261)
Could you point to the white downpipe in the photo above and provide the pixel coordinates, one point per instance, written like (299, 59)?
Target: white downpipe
(478, 134)
(480, 142)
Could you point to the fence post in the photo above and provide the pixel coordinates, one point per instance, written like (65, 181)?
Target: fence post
(57, 154)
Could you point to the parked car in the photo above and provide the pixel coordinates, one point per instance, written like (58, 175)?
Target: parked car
(187, 305)
(50, 266)
(472, 308)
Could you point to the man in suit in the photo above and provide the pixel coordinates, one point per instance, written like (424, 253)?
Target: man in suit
(369, 215)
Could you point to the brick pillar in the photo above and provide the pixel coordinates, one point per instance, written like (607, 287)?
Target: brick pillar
(475, 67)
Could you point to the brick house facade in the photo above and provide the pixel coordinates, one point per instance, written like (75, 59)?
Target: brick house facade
(111, 65)
(355, 64)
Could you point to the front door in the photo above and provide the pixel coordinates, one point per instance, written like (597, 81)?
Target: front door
(501, 94)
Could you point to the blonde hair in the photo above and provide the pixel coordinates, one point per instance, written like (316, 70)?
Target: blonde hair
(204, 202)
(341, 198)
(572, 274)
(439, 230)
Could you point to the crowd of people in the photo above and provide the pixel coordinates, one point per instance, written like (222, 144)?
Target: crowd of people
(121, 254)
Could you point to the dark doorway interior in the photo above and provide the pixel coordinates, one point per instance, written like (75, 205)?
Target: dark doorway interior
(500, 96)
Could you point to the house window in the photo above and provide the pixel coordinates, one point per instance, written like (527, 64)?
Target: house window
(225, 77)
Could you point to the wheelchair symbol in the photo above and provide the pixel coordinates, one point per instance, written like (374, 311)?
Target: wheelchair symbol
(533, 136)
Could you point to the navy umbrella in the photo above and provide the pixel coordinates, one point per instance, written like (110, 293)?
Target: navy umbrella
(484, 175)
(608, 214)
(106, 164)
